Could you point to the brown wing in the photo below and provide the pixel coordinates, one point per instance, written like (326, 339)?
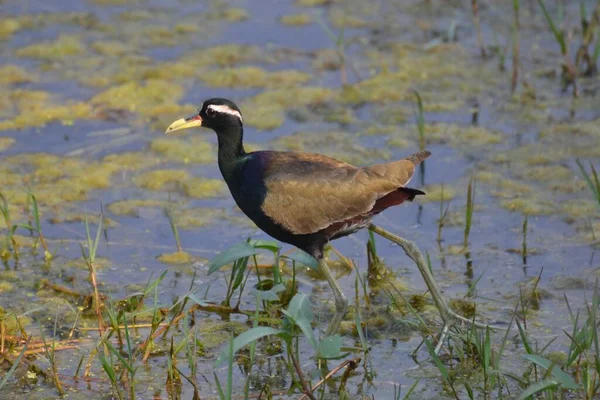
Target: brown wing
(309, 192)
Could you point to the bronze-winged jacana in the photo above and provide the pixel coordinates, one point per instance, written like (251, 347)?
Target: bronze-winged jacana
(304, 199)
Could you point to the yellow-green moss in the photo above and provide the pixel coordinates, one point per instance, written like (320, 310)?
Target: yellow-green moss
(178, 257)
(132, 207)
(201, 188)
(433, 193)
(545, 173)
(196, 217)
(37, 108)
(190, 150)
(111, 47)
(224, 55)
(158, 179)
(62, 47)
(296, 19)
(138, 97)
(252, 77)
(529, 205)
(131, 161)
(229, 14)
(11, 74)
(8, 26)
(5, 143)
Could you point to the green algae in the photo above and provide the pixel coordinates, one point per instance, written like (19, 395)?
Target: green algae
(8, 26)
(543, 173)
(215, 333)
(178, 257)
(64, 46)
(6, 142)
(433, 193)
(37, 108)
(131, 161)
(530, 205)
(201, 188)
(111, 48)
(464, 136)
(160, 178)
(195, 217)
(252, 77)
(190, 150)
(231, 14)
(341, 19)
(224, 55)
(141, 98)
(132, 207)
(299, 19)
(12, 74)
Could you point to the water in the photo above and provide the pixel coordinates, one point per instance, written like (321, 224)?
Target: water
(132, 43)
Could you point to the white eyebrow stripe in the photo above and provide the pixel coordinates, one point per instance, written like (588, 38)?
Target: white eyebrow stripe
(226, 110)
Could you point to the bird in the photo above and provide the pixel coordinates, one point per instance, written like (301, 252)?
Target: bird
(303, 199)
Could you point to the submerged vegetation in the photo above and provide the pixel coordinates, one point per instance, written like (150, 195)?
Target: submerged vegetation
(127, 273)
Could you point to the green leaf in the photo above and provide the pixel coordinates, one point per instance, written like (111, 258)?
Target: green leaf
(196, 300)
(300, 313)
(271, 294)
(234, 253)
(119, 356)
(265, 244)
(538, 387)
(303, 258)
(240, 268)
(245, 338)
(561, 377)
(437, 361)
(330, 347)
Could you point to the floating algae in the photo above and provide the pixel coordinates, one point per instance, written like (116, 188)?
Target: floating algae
(158, 179)
(132, 207)
(37, 108)
(178, 257)
(253, 77)
(186, 151)
(12, 74)
(141, 98)
(434, 193)
(296, 19)
(232, 14)
(62, 47)
(201, 188)
(5, 143)
(542, 173)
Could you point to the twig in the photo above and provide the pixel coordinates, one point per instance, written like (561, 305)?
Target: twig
(307, 389)
(353, 363)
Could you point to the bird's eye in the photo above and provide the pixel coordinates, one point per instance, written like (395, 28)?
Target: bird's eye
(210, 112)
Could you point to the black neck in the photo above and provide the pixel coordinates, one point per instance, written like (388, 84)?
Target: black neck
(231, 150)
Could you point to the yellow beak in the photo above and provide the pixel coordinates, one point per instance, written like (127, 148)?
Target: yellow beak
(184, 123)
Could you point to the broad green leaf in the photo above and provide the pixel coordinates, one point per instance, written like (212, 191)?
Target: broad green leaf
(564, 379)
(245, 338)
(265, 244)
(271, 294)
(300, 313)
(330, 347)
(538, 387)
(234, 253)
(303, 258)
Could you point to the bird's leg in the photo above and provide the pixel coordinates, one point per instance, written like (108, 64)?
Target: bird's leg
(411, 250)
(341, 303)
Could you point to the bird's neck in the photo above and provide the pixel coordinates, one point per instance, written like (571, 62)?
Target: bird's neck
(231, 151)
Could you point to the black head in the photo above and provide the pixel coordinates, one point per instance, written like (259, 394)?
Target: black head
(217, 114)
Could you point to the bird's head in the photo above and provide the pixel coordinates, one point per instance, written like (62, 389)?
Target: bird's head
(216, 114)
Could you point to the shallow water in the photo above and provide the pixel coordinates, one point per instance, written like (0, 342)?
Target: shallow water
(129, 68)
